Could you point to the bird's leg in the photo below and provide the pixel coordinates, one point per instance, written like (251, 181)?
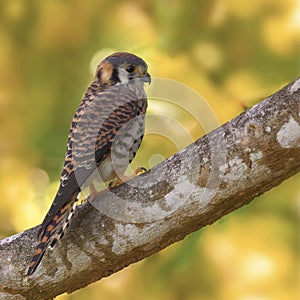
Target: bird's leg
(93, 191)
(121, 179)
(92, 194)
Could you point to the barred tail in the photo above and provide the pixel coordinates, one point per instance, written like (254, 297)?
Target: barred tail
(38, 253)
(53, 232)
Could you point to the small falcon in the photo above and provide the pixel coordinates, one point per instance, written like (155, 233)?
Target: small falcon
(106, 132)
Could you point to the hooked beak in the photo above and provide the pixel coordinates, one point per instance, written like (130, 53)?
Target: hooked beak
(147, 78)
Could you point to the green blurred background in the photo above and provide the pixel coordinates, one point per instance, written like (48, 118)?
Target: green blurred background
(234, 53)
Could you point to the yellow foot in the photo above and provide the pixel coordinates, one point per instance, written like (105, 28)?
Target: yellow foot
(120, 180)
(140, 170)
(115, 182)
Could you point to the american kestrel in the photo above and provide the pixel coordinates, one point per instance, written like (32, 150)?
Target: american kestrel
(105, 134)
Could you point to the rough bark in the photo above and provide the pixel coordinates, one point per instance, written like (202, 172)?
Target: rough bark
(217, 174)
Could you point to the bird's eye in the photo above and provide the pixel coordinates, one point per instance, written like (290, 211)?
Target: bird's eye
(130, 68)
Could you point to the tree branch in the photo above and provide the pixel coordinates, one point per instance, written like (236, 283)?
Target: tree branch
(219, 173)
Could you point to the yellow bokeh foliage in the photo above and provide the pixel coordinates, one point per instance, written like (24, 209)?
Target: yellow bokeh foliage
(231, 53)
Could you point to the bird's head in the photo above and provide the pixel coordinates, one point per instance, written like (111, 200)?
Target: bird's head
(123, 67)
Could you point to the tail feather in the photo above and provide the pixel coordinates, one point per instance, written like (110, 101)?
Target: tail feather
(37, 257)
(66, 223)
(53, 232)
(40, 250)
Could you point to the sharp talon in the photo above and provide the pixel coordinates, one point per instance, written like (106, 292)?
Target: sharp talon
(84, 200)
(123, 179)
(140, 170)
(115, 183)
